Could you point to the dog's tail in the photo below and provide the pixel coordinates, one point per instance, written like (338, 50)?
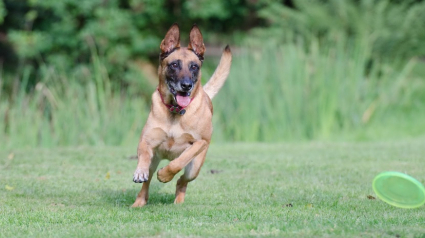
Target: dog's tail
(220, 74)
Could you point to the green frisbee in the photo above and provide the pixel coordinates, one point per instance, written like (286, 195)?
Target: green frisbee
(398, 189)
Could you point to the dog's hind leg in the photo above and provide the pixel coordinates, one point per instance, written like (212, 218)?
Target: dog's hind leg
(143, 196)
(190, 173)
(167, 173)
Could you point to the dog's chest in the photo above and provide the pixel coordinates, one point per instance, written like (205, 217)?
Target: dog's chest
(176, 140)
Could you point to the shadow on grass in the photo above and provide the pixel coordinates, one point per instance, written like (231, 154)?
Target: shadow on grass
(125, 198)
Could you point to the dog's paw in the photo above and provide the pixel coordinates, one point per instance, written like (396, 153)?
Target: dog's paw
(164, 175)
(139, 203)
(141, 175)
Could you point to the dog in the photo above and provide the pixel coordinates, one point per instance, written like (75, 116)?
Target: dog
(179, 125)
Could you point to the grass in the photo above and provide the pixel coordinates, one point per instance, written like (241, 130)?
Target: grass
(87, 191)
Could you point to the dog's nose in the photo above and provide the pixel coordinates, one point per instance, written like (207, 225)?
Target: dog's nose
(186, 84)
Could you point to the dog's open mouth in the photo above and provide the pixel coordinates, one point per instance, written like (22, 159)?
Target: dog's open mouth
(182, 99)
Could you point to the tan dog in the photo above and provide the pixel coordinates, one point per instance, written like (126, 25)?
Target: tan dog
(179, 125)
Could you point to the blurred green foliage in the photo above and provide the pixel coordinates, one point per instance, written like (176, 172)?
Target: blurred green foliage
(66, 34)
(2, 12)
(395, 29)
(82, 72)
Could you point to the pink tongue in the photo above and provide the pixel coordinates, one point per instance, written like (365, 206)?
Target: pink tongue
(183, 101)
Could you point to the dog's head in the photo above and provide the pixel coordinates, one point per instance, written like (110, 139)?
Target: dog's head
(180, 67)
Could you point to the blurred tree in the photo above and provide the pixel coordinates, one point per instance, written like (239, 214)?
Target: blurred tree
(66, 34)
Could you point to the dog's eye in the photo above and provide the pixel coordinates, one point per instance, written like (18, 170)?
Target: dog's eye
(194, 67)
(174, 65)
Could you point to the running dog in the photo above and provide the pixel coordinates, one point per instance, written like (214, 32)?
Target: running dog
(179, 125)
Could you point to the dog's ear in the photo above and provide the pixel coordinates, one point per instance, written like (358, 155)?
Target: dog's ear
(171, 40)
(196, 42)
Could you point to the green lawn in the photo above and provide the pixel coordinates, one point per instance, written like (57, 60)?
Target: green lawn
(86, 192)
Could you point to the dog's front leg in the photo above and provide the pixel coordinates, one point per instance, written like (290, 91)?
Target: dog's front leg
(167, 173)
(146, 167)
(143, 195)
(144, 170)
(148, 141)
(144, 154)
